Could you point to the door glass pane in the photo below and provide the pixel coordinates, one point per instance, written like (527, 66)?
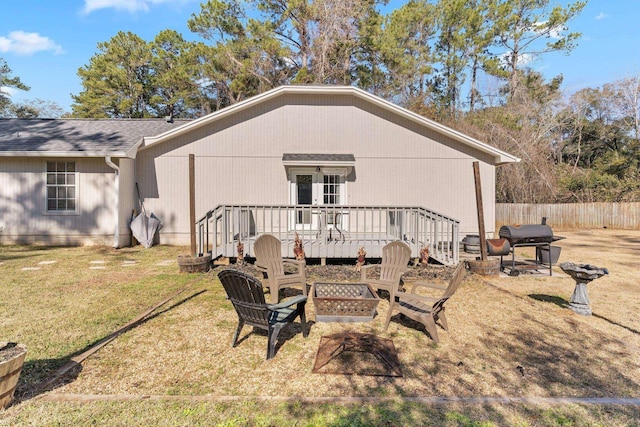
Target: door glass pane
(305, 183)
(304, 186)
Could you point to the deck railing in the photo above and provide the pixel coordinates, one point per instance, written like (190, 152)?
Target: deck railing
(329, 231)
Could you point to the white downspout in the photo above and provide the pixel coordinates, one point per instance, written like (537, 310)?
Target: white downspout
(116, 212)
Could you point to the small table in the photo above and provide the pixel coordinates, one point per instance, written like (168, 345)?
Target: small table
(582, 274)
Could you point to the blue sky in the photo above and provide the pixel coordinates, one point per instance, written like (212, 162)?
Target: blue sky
(45, 42)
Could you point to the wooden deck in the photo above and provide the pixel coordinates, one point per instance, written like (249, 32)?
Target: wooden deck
(315, 248)
(329, 232)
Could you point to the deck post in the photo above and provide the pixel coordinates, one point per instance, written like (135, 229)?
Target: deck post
(192, 202)
(478, 185)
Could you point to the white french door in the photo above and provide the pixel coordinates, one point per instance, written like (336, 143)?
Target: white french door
(317, 189)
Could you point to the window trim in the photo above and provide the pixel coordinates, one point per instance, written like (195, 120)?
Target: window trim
(76, 173)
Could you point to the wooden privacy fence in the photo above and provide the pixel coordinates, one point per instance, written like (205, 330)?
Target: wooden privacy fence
(571, 215)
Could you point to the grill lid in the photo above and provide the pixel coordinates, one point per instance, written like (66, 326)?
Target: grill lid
(529, 233)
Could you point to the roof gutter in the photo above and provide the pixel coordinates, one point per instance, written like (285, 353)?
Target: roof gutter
(64, 154)
(116, 209)
(133, 151)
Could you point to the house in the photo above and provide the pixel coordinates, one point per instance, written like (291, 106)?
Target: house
(334, 164)
(70, 181)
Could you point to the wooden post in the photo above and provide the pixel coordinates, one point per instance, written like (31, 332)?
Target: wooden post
(483, 238)
(192, 203)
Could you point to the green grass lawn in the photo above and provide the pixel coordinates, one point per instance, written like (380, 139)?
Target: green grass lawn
(61, 301)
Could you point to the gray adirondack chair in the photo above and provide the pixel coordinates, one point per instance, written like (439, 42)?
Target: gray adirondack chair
(395, 258)
(268, 252)
(427, 310)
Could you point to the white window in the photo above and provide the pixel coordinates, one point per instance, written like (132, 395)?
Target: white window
(61, 187)
(331, 190)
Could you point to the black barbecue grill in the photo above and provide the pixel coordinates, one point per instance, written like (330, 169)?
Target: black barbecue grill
(532, 235)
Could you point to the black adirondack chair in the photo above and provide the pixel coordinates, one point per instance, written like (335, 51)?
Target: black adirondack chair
(247, 296)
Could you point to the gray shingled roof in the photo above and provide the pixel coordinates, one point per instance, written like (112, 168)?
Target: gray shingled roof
(304, 157)
(89, 136)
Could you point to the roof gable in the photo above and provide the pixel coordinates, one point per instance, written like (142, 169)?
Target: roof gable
(499, 156)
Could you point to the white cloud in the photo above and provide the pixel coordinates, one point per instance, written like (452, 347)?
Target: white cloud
(130, 6)
(602, 15)
(22, 43)
(523, 59)
(554, 32)
(9, 91)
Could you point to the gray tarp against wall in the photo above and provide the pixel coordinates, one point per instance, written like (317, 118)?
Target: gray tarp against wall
(144, 227)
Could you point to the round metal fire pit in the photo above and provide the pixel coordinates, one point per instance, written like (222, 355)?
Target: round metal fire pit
(582, 274)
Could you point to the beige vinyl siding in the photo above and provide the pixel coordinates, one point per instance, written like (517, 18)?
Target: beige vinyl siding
(239, 161)
(23, 212)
